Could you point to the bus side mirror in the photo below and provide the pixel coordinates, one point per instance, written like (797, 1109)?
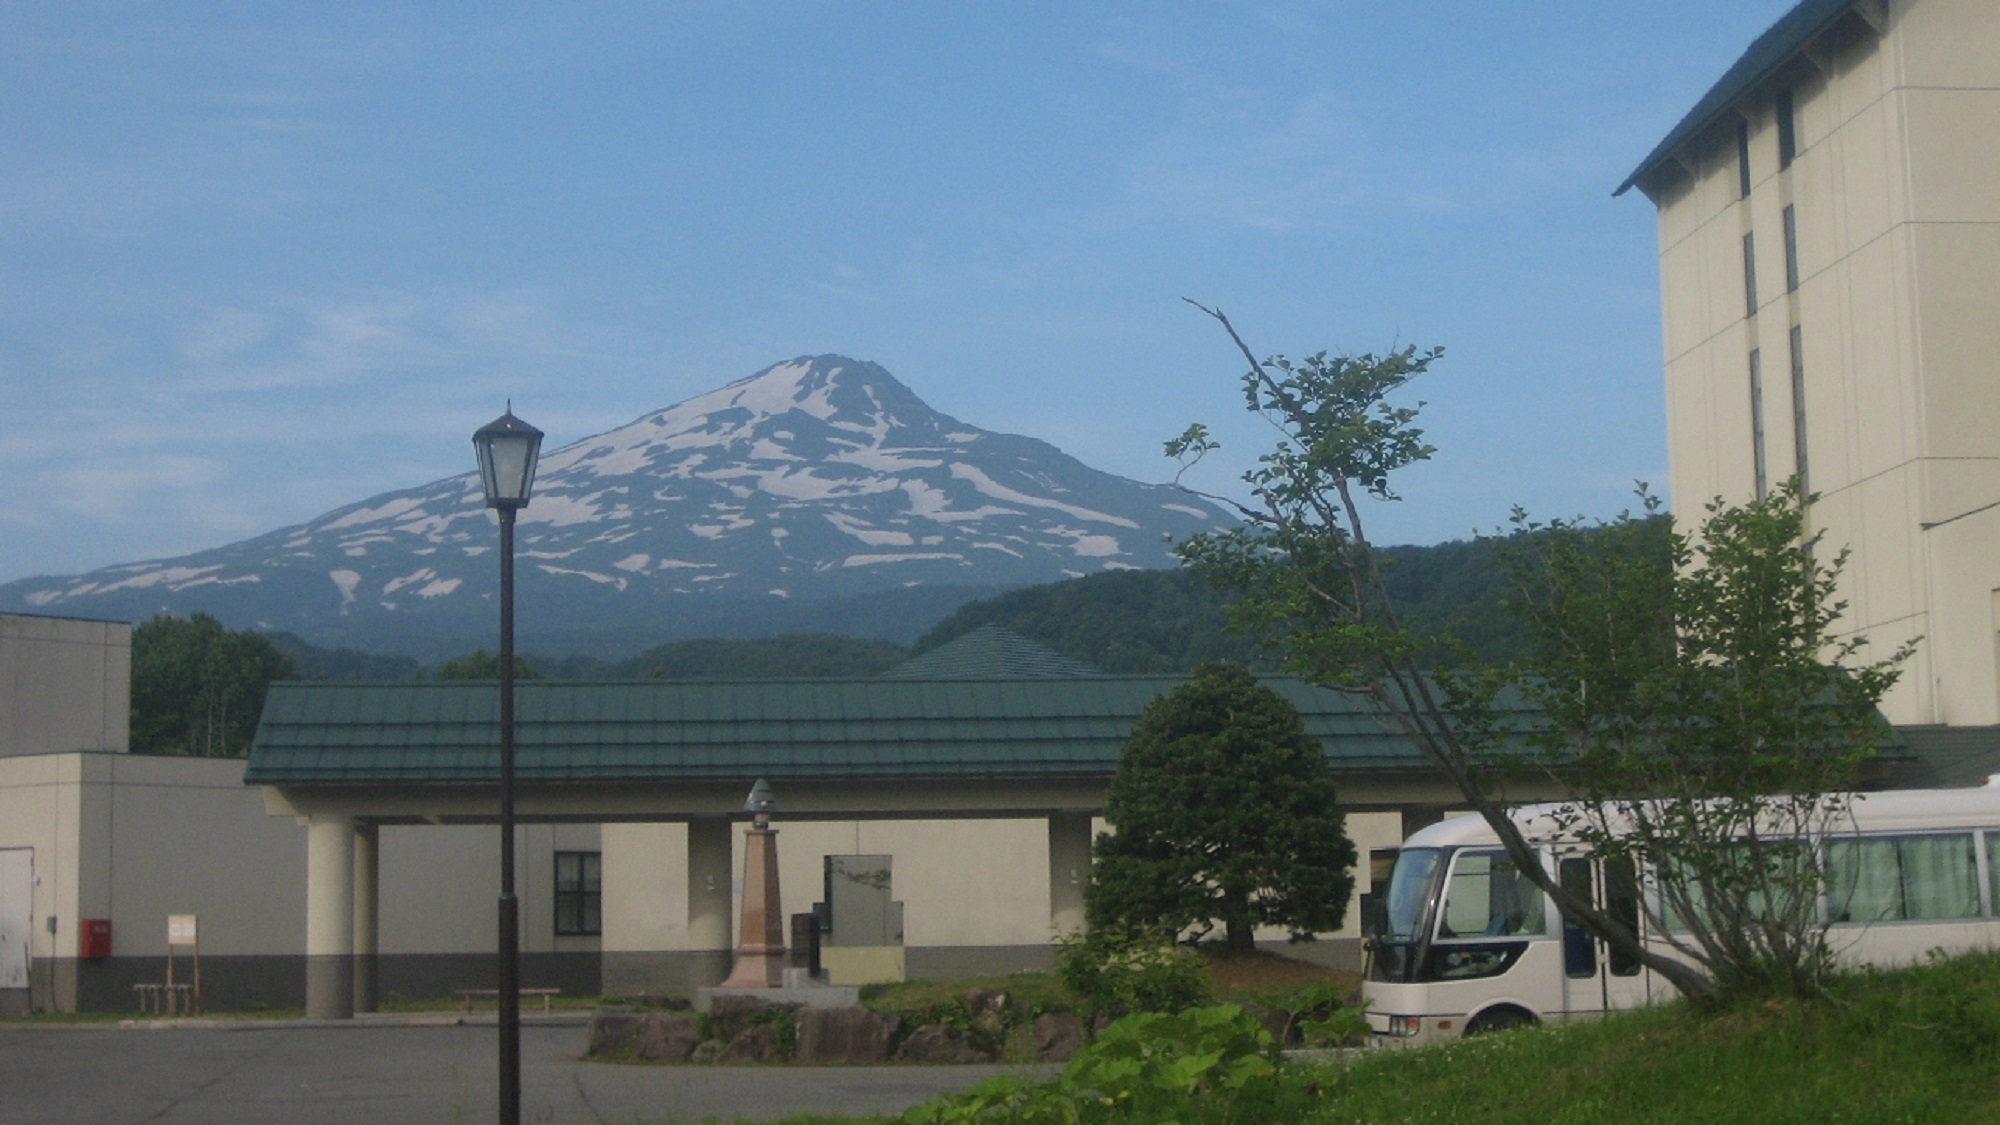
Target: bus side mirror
(1374, 917)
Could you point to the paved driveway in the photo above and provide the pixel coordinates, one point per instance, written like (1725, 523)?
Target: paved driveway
(372, 1073)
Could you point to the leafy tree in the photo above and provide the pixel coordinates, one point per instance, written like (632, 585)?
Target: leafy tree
(481, 665)
(1711, 717)
(1311, 585)
(1223, 809)
(197, 688)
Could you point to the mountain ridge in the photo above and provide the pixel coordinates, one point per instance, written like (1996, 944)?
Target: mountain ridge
(819, 482)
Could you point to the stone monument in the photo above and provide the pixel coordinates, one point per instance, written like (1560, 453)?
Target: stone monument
(760, 941)
(760, 946)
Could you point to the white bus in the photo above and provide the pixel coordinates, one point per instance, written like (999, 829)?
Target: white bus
(1463, 943)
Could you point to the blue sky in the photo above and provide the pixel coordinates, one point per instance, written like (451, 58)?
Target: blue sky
(260, 261)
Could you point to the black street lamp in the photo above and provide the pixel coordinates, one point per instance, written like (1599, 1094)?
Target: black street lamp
(508, 448)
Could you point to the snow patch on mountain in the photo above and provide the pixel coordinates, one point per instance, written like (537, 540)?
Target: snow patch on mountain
(818, 477)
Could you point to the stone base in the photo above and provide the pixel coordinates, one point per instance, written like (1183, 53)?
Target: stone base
(863, 964)
(831, 996)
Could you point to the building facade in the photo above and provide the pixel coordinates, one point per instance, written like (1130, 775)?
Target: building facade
(1829, 237)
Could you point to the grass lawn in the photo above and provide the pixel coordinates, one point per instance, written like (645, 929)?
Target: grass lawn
(1918, 1045)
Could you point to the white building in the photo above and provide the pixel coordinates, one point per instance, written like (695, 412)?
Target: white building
(627, 882)
(1830, 289)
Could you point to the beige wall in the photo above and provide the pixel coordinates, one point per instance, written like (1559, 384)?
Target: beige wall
(439, 886)
(65, 684)
(962, 883)
(1898, 306)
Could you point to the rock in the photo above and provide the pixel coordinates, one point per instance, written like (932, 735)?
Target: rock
(988, 1007)
(614, 1033)
(936, 1043)
(756, 1043)
(980, 1001)
(846, 1036)
(729, 1015)
(668, 1036)
(1058, 1035)
(705, 1052)
(1277, 1021)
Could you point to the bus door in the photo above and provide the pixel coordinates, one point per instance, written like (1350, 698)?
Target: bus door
(1597, 978)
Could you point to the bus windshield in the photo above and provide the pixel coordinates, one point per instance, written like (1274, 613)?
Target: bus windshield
(1410, 892)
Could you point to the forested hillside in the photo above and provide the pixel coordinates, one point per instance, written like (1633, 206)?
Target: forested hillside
(1167, 621)
(1135, 621)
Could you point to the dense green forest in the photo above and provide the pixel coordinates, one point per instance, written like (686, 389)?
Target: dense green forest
(1168, 621)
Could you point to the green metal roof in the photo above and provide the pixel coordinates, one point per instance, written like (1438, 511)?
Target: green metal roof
(344, 733)
(989, 652)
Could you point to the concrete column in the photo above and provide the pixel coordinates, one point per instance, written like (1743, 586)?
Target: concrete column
(367, 901)
(708, 874)
(330, 918)
(1069, 870)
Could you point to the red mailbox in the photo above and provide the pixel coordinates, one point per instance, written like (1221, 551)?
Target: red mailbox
(93, 939)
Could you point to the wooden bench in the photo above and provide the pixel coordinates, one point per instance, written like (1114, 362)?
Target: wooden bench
(467, 995)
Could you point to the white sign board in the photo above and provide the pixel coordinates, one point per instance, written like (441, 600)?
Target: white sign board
(180, 929)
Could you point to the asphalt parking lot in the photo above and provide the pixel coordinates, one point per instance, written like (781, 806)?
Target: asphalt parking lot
(223, 1074)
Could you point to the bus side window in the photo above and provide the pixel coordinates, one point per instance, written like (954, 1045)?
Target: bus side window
(1621, 901)
(1579, 951)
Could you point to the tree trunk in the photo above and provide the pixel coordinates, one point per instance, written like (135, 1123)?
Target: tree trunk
(1239, 933)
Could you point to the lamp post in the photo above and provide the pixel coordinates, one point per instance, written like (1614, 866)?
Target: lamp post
(508, 448)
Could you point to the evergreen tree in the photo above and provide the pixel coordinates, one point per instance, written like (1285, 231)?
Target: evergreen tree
(1223, 809)
(197, 688)
(482, 665)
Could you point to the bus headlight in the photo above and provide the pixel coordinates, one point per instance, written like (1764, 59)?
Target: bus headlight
(1403, 1027)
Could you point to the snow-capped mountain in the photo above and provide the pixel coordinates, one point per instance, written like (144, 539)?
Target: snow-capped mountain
(755, 508)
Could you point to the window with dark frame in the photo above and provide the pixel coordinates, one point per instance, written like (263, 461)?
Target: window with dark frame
(1757, 425)
(1788, 136)
(579, 893)
(1799, 411)
(1749, 273)
(1743, 159)
(1791, 250)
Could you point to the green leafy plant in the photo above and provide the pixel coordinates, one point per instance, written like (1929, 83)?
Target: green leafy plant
(1113, 970)
(1214, 1064)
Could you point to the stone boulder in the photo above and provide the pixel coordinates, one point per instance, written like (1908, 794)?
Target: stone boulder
(1277, 1021)
(1058, 1035)
(729, 1015)
(937, 1043)
(668, 1036)
(614, 1033)
(852, 1035)
(754, 1044)
(988, 1008)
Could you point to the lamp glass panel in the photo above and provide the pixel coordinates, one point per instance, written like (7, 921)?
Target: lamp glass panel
(509, 467)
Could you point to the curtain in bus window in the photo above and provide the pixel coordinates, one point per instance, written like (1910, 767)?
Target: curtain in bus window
(1993, 868)
(1865, 880)
(1940, 877)
(1893, 878)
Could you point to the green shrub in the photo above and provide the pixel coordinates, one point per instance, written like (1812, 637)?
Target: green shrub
(1216, 1064)
(1117, 973)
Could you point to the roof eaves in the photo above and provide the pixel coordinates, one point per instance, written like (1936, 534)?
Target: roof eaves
(1766, 53)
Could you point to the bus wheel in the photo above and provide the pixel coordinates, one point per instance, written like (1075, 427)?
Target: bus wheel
(1499, 1019)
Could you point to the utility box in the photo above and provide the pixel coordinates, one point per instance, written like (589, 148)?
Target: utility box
(93, 939)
